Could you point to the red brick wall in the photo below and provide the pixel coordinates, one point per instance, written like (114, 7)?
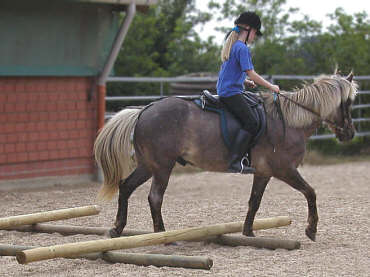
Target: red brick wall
(47, 127)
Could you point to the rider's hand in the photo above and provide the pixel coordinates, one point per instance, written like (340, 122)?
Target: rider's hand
(249, 84)
(275, 88)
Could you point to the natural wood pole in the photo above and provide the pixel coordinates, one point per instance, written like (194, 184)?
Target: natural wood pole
(68, 230)
(269, 243)
(100, 231)
(196, 262)
(79, 248)
(27, 219)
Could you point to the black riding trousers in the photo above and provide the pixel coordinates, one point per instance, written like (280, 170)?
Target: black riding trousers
(239, 107)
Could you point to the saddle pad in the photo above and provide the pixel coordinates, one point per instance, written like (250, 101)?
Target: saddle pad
(227, 122)
(230, 125)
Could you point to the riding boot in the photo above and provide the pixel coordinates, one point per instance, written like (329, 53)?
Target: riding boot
(238, 150)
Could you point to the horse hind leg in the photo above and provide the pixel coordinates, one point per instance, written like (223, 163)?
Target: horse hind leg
(295, 180)
(155, 198)
(126, 188)
(258, 188)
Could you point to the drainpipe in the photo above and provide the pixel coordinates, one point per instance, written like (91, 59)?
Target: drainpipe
(102, 79)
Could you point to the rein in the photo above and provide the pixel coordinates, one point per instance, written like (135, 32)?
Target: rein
(329, 122)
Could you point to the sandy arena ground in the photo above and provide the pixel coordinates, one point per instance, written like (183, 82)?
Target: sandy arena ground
(198, 199)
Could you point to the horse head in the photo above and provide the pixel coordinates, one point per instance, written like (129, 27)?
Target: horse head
(344, 128)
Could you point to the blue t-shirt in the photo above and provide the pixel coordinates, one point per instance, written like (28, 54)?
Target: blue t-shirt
(232, 74)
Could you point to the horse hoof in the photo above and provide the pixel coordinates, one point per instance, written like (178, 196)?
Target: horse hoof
(249, 234)
(172, 244)
(113, 233)
(310, 234)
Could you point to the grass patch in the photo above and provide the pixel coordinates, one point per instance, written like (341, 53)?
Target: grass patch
(332, 151)
(315, 157)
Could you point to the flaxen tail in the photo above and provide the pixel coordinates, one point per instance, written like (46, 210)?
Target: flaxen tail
(114, 151)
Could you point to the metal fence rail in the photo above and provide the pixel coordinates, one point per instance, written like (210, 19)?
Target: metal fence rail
(272, 78)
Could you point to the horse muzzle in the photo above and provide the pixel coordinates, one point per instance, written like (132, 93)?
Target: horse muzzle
(346, 133)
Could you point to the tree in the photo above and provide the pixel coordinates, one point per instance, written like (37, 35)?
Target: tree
(159, 42)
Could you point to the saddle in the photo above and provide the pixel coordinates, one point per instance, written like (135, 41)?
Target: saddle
(229, 124)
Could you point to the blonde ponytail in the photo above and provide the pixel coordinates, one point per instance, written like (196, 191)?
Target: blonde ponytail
(225, 53)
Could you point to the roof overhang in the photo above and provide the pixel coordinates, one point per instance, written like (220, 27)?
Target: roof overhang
(124, 2)
(141, 5)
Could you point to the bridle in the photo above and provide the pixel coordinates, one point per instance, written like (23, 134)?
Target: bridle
(327, 121)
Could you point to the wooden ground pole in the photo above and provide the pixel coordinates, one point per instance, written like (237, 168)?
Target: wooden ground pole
(7, 222)
(259, 242)
(195, 262)
(80, 248)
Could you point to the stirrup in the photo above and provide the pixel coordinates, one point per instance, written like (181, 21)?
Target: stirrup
(242, 166)
(245, 158)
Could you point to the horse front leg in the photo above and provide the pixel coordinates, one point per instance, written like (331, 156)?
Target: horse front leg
(258, 188)
(295, 180)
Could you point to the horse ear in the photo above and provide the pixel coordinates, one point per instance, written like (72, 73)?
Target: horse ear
(350, 77)
(336, 71)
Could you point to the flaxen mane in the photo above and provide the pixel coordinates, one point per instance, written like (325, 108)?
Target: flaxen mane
(323, 96)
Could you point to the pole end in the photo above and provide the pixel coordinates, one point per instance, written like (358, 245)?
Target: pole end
(21, 257)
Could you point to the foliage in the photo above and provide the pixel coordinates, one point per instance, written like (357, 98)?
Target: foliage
(359, 146)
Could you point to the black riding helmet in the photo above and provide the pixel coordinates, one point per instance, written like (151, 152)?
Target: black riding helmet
(251, 19)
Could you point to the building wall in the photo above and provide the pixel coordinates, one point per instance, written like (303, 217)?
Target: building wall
(47, 127)
(55, 38)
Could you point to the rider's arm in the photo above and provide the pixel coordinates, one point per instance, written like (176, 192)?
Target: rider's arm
(254, 76)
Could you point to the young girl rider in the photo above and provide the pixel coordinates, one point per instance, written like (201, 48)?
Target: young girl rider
(237, 64)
